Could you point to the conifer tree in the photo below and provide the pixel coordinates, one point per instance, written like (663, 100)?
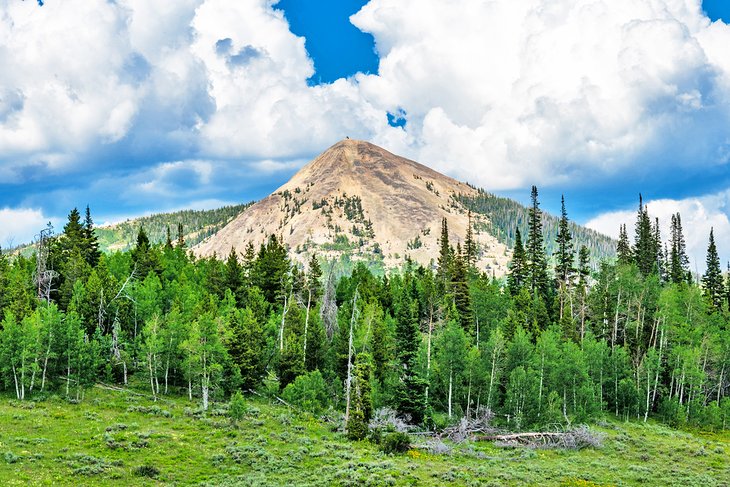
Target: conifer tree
(460, 291)
(623, 249)
(361, 409)
(564, 239)
(245, 344)
(712, 280)
(517, 276)
(678, 260)
(412, 388)
(470, 245)
(445, 253)
(584, 260)
(537, 277)
(91, 242)
(657, 248)
(168, 238)
(180, 236)
(644, 242)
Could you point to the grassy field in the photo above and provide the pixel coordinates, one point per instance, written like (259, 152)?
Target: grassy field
(120, 438)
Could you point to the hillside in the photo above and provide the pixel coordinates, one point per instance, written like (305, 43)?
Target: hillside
(124, 438)
(358, 201)
(506, 215)
(197, 225)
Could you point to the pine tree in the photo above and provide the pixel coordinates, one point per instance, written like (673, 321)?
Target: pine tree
(460, 291)
(537, 277)
(91, 242)
(361, 409)
(73, 233)
(180, 236)
(245, 344)
(678, 260)
(712, 280)
(623, 249)
(644, 242)
(144, 257)
(517, 276)
(470, 246)
(564, 239)
(412, 388)
(446, 254)
(584, 260)
(660, 268)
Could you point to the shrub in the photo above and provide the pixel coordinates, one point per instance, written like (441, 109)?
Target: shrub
(147, 471)
(308, 392)
(396, 442)
(10, 457)
(237, 408)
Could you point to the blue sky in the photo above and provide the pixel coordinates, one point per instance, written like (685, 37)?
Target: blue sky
(140, 106)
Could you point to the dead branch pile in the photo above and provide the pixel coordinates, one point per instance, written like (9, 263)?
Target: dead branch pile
(387, 419)
(467, 427)
(575, 439)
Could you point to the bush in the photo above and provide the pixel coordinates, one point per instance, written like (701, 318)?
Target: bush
(147, 471)
(395, 443)
(308, 392)
(237, 408)
(10, 457)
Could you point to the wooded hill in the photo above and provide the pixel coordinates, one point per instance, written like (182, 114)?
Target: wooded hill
(197, 225)
(505, 216)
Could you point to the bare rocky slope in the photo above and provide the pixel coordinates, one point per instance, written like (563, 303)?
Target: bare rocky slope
(359, 200)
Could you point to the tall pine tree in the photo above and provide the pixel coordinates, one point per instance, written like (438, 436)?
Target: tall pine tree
(678, 260)
(517, 275)
(623, 249)
(714, 286)
(537, 277)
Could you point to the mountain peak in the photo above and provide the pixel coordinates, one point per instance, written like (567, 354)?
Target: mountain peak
(360, 200)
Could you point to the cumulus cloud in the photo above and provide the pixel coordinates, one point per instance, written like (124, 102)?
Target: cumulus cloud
(699, 215)
(506, 93)
(501, 93)
(20, 225)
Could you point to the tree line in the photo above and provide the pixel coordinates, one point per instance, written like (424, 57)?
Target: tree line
(549, 344)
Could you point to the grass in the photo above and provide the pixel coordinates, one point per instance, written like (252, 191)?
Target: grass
(118, 438)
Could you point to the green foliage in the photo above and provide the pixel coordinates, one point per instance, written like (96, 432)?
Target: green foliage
(308, 392)
(237, 407)
(395, 443)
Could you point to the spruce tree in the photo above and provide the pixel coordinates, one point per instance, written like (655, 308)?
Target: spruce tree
(445, 253)
(411, 388)
(73, 233)
(584, 260)
(91, 242)
(470, 246)
(678, 260)
(517, 275)
(564, 239)
(712, 281)
(660, 268)
(460, 291)
(180, 236)
(537, 277)
(644, 242)
(623, 249)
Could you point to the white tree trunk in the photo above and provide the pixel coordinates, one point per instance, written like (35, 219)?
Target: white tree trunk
(451, 383)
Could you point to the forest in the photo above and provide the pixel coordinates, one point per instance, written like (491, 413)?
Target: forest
(635, 337)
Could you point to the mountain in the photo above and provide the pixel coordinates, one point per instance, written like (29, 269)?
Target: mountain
(357, 201)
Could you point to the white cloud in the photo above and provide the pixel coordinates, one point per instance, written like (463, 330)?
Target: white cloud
(507, 93)
(501, 93)
(699, 215)
(21, 225)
